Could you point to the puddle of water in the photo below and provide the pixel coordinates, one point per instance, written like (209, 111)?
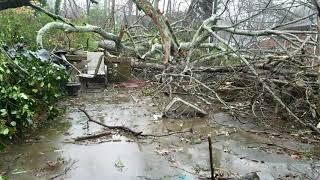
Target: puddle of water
(235, 151)
(102, 161)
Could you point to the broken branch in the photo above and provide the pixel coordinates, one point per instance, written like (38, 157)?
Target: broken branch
(110, 127)
(94, 136)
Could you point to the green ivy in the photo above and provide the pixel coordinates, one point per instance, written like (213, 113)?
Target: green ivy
(24, 94)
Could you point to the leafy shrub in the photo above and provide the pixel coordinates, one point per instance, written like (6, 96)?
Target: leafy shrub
(21, 25)
(28, 87)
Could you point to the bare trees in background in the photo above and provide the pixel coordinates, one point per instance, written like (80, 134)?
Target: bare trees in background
(200, 9)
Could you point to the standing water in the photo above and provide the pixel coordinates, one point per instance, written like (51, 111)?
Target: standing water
(53, 154)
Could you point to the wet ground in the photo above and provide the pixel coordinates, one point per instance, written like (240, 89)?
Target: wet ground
(238, 148)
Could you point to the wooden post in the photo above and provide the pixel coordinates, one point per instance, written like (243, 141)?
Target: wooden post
(211, 159)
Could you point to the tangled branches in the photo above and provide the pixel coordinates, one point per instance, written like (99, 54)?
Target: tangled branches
(280, 90)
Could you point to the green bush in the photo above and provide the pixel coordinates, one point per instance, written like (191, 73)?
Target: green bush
(22, 24)
(25, 94)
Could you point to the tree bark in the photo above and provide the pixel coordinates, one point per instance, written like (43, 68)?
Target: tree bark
(167, 37)
(200, 9)
(69, 28)
(105, 7)
(130, 7)
(168, 12)
(164, 6)
(88, 7)
(57, 5)
(156, 4)
(215, 7)
(112, 13)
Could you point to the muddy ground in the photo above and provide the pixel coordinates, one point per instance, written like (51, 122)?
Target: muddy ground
(238, 148)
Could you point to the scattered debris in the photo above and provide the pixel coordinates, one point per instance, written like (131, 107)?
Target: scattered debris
(163, 152)
(119, 165)
(167, 151)
(175, 150)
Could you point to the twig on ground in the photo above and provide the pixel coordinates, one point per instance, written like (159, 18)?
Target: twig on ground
(81, 138)
(125, 129)
(110, 127)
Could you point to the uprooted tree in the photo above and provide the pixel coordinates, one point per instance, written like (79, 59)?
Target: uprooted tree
(261, 57)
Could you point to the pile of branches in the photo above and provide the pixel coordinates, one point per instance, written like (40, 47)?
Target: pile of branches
(273, 85)
(283, 91)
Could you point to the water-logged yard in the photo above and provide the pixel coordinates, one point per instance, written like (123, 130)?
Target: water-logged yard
(238, 148)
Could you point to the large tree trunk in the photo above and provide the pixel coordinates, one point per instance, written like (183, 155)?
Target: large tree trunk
(69, 28)
(167, 37)
(317, 5)
(57, 5)
(74, 9)
(105, 7)
(200, 10)
(113, 20)
(130, 8)
(156, 4)
(88, 7)
(164, 6)
(168, 12)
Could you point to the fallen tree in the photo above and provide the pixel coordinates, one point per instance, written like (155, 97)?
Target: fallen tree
(94, 136)
(277, 77)
(75, 29)
(168, 38)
